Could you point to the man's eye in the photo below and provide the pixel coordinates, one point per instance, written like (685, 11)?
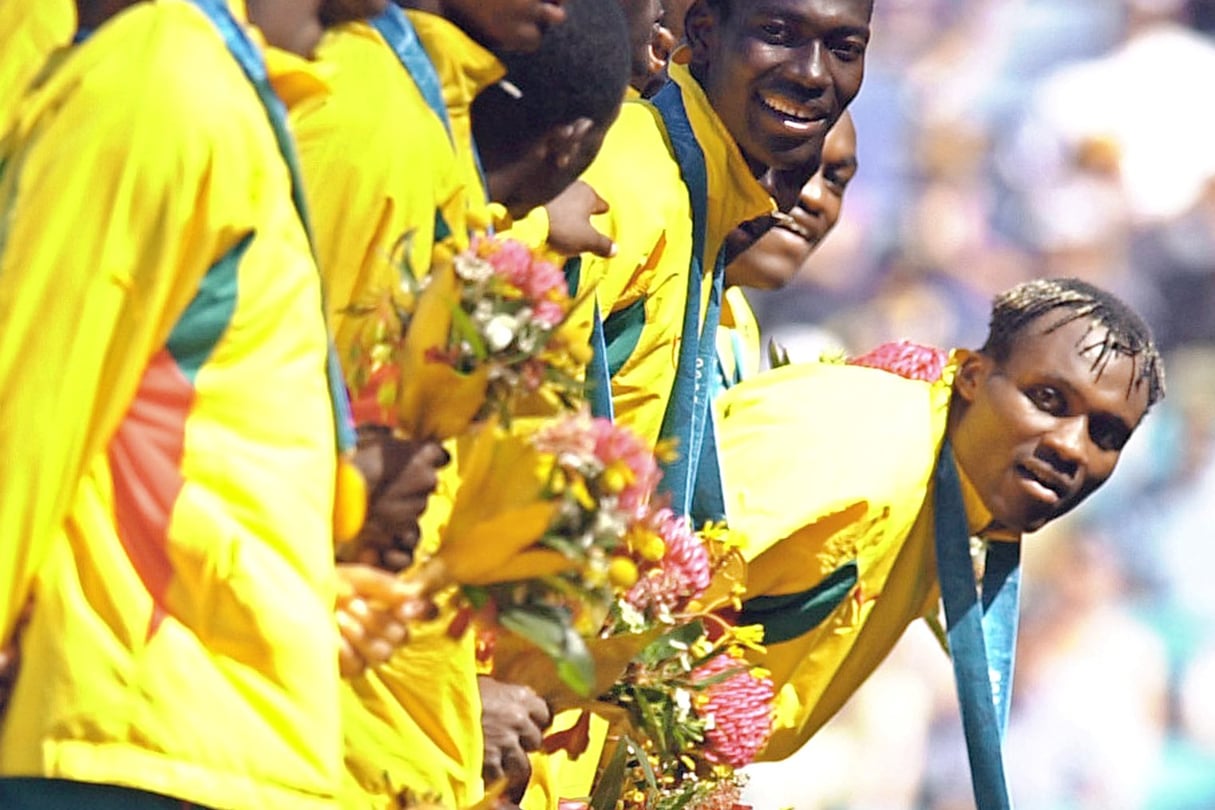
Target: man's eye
(773, 31)
(1108, 434)
(837, 181)
(1048, 399)
(848, 50)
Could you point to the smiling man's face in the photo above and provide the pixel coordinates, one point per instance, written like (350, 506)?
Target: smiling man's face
(1041, 431)
(779, 72)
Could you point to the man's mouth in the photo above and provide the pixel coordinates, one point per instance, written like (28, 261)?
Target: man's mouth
(1043, 483)
(790, 224)
(796, 115)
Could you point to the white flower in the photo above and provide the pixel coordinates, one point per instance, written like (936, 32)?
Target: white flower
(472, 268)
(500, 331)
(632, 618)
(683, 703)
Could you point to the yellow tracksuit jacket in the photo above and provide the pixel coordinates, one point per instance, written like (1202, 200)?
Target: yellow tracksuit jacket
(167, 447)
(828, 471)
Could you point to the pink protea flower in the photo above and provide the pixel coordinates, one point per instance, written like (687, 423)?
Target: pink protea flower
(510, 258)
(548, 313)
(738, 711)
(724, 795)
(514, 261)
(570, 436)
(615, 444)
(914, 361)
(545, 281)
(681, 575)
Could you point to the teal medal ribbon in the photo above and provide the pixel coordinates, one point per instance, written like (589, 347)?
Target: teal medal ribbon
(708, 498)
(400, 34)
(982, 633)
(250, 60)
(688, 417)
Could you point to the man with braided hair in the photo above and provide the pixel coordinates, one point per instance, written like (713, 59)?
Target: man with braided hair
(844, 544)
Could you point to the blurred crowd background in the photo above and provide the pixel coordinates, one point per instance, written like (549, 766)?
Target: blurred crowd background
(1001, 140)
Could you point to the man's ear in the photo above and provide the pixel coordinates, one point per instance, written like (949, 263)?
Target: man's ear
(973, 368)
(564, 143)
(700, 31)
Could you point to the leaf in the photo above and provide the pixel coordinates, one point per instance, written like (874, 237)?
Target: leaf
(669, 644)
(498, 514)
(466, 330)
(576, 667)
(550, 629)
(778, 355)
(611, 782)
(639, 753)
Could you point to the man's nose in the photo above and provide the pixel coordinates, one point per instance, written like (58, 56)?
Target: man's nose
(809, 68)
(1068, 443)
(812, 197)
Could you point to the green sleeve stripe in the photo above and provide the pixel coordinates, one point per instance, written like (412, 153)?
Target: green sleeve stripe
(622, 330)
(791, 615)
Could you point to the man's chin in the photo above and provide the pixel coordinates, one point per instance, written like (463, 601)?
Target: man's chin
(788, 155)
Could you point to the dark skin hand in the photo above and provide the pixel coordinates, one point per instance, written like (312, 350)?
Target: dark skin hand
(569, 222)
(401, 475)
(513, 719)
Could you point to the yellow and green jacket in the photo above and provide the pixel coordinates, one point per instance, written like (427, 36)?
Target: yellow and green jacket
(839, 536)
(642, 290)
(379, 164)
(29, 33)
(379, 168)
(167, 443)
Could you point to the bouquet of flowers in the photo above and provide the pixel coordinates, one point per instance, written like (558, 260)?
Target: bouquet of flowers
(555, 531)
(698, 712)
(483, 328)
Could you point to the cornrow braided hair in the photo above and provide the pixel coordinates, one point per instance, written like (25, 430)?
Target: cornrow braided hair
(1126, 333)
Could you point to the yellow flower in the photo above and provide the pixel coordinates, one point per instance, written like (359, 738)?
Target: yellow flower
(617, 476)
(582, 494)
(350, 501)
(666, 451)
(622, 572)
(649, 545)
(557, 481)
(750, 636)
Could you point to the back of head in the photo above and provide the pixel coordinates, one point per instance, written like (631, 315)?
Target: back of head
(580, 71)
(1126, 332)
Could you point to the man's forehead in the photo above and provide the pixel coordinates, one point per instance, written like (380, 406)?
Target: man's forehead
(843, 12)
(1078, 349)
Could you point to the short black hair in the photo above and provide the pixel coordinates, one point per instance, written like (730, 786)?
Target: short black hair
(1127, 333)
(580, 70)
